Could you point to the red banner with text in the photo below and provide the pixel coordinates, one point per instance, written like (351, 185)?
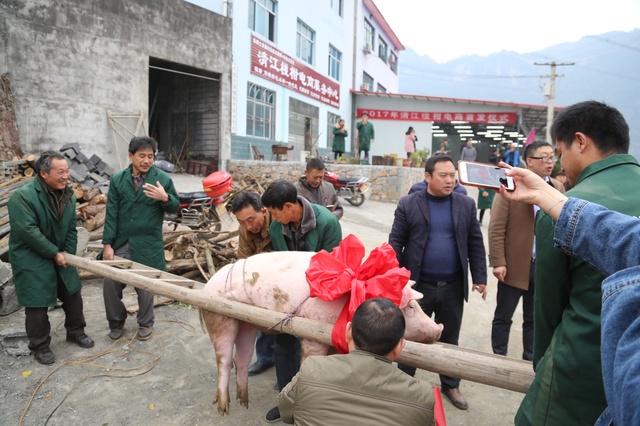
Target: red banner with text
(272, 64)
(441, 117)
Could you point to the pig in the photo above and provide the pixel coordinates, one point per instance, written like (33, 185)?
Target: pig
(276, 281)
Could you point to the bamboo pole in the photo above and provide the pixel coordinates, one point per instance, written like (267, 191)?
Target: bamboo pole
(467, 364)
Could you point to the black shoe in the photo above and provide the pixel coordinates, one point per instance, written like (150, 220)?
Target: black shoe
(273, 415)
(44, 356)
(144, 333)
(116, 334)
(257, 368)
(82, 340)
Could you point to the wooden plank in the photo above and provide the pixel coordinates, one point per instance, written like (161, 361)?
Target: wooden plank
(467, 364)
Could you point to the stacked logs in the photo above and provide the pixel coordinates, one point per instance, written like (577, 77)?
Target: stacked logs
(91, 206)
(7, 188)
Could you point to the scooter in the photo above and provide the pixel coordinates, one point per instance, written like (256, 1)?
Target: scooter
(198, 209)
(351, 189)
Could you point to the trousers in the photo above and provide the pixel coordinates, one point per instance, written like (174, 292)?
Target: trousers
(507, 301)
(37, 323)
(113, 306)
(447, 303)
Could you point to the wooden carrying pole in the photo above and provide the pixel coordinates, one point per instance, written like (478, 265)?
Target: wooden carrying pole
(476, 366)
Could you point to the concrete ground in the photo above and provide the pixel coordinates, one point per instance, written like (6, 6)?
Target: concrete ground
(171, 378)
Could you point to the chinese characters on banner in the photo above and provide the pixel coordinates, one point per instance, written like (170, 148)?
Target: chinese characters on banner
(272, 64)
(441, 117)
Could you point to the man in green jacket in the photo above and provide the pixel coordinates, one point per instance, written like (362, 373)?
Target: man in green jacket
(43, 226)
(366, 135)
(139, 196)
(593, 140)
(297, 225)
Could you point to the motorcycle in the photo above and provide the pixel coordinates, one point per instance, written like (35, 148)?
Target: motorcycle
(198, 209)
(351, 189)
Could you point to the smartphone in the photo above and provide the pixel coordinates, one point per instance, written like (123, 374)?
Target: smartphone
(484, 176)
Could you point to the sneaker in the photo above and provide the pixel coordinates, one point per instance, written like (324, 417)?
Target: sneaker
(44, 356)
(144, 333)
(273, 415)
(82, 340)
(116, 334)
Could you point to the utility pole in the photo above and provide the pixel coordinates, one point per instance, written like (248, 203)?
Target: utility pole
(550, 91)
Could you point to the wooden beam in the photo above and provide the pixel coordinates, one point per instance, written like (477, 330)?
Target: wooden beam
(467, 364)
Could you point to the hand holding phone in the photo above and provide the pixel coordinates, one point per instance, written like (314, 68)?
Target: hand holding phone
(484, 176)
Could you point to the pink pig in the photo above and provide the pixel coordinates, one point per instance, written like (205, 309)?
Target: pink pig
(276, 281)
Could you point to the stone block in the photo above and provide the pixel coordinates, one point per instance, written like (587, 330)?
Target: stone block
(97, 178)
(70, 154)
(95, 160)
(101, 166)
(104, 189)
(8, 299)
(75, 176)
(108, 170)
(81, 158)
(5, 272)
(75, 147)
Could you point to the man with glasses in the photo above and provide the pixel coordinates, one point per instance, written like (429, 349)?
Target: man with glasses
(512, 254)
(313, 187)
(592, 140)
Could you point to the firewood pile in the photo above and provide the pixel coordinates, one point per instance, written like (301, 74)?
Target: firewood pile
(8, 185)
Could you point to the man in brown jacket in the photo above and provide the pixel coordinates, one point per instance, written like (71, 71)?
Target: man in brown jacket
(253, 238)
(362, 387)
(512, 256)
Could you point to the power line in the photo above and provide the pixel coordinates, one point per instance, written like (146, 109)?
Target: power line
(615, 43)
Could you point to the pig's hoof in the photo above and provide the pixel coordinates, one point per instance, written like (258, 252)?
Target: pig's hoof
(223, 409)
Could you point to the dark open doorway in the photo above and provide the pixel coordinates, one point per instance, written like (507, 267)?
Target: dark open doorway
(184, 113)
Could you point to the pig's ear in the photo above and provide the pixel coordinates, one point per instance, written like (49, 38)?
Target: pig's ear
(409, 294)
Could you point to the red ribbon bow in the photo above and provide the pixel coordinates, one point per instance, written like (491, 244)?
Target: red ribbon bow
(332, 275)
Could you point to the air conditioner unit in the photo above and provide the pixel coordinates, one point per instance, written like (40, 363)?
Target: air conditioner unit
(367, 48)
(365, 87)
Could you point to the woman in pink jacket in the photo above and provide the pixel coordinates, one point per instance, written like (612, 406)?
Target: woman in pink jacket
(410, 140)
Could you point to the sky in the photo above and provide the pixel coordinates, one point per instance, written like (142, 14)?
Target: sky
(445, 30)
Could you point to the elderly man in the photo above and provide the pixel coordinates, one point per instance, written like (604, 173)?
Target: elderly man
(43, 226)
(313, 187)
(253, 238)
(362, 387)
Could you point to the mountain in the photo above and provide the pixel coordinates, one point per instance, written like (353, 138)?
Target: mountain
(604, 69)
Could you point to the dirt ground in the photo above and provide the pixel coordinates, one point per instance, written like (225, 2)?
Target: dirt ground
(171, 378)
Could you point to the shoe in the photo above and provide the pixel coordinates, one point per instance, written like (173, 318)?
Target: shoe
(82, 340)
(144, 333)
(457, 399)
(116, 334)
(44, 356)
(273, 415)
(257, 368)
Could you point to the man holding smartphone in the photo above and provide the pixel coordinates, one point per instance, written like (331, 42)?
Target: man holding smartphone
(436, 236)
(512, 254)
(593, 140)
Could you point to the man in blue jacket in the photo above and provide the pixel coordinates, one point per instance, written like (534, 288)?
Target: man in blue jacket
(436, 236)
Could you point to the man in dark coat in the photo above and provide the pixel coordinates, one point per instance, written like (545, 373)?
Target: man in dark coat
(139, 196)
(43, 226)
(436, 236)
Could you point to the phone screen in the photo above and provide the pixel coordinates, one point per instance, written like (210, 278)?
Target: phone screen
(486, 176)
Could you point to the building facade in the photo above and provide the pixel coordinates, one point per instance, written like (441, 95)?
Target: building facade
(295, 68)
